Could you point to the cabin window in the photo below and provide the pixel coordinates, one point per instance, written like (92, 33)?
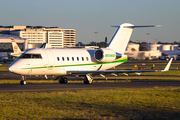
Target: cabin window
(82, 59)
(72, 58)
(63, 58)
(34, 56)
(77, 58)
(87, 59)
(57, 58)
(26, 56)
(67, 58)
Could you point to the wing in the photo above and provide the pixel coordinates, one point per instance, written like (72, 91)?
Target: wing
(117, 71)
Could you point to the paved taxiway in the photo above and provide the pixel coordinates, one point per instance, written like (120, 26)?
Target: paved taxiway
(13, 88)
(16, 88)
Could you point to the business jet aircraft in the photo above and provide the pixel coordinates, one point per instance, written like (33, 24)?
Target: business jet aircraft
(17, 51)
(78, 61)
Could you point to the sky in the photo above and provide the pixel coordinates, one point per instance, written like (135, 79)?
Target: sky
(90, 16)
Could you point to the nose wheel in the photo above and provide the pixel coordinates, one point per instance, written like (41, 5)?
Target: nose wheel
(23, 80)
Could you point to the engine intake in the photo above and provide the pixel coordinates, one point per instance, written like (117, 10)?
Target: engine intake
(105, 55)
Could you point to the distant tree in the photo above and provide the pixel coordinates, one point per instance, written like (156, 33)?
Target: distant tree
(159, 42)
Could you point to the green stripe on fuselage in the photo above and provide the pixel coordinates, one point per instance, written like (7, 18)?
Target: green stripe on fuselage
(122, 60)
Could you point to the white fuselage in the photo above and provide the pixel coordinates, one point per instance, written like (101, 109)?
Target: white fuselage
(57, 62)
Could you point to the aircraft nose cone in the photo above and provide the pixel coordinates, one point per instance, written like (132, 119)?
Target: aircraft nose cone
(11, 69)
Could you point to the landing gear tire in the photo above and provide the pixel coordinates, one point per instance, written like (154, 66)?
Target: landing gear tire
(23, 82)
(63, 80)
(88, 79)
(87, 82)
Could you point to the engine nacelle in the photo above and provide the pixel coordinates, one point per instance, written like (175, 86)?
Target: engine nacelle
(105, 55)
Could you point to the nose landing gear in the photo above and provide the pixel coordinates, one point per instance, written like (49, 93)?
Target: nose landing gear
(23, 80)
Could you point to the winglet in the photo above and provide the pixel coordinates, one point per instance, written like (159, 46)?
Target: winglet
(168, 65)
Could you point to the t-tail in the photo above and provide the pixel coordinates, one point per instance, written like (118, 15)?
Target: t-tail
(16, 48)
(121, 38)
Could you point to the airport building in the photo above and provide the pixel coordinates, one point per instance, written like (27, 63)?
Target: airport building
(6, 45)
(153, 51)
(55, 37)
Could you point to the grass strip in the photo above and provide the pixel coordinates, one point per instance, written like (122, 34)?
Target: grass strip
(157, 103)
(3, 68)
(167, 73)
(52, 81)
(172, 73)
(28, 81)
(140, 78)
(136, 68)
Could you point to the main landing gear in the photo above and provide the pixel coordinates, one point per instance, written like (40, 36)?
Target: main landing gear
(88, 79)
(63, 80)
(23, 80)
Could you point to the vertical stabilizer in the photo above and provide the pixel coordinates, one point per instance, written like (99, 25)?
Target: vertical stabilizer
(121, 38)
(16, 48)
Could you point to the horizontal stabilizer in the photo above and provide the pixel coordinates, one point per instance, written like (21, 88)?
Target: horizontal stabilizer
(139, 26)
(142, 26)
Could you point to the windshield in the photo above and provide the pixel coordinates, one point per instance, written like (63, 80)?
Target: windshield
(36, 56)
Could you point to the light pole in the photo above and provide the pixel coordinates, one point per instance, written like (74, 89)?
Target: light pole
(148, 40)
(96, 37)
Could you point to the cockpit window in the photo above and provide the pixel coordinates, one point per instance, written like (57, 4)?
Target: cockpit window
(36, 56)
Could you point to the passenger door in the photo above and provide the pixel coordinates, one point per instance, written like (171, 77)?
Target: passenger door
(50, 58)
